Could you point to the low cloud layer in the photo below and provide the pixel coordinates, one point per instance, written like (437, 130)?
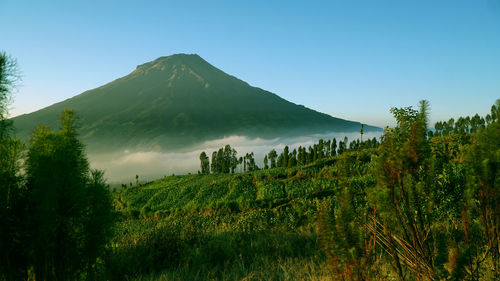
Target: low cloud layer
(123, 166)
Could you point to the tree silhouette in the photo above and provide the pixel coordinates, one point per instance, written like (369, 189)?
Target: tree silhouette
(71, 205)
(361, 131)
(272, 158)
(334, 147)
(13, 212)
(204, 163)
(215, 163)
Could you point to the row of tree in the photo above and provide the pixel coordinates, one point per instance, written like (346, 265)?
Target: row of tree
(323, 149)
(465, 125)
(225, 160)
(55, 212)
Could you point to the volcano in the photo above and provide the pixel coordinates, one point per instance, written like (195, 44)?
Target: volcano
(180, 100)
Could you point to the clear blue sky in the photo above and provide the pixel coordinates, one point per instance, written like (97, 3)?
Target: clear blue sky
(351, 59)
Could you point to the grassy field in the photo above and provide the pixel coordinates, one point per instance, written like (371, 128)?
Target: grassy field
(250, 226)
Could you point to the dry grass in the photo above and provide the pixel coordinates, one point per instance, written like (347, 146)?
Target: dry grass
(286, 269)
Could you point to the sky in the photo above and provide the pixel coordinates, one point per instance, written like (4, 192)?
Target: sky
(350, 59)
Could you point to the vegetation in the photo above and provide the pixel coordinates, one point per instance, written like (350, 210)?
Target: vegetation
(416, 205)
(225, 160)
(11, 195)
(55, 213)
(432, 213)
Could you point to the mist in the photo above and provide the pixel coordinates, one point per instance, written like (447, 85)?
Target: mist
(123, 166)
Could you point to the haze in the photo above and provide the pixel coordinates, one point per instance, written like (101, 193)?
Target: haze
(123, 166)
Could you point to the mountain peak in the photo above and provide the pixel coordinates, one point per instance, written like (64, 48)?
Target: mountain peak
(178, 100)
(173, 60)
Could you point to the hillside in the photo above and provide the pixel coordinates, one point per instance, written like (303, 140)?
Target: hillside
(236, 192)
(256, 225)
(252, 226)
(179, 100)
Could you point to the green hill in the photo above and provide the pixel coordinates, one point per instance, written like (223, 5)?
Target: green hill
(229, 226)
(179, 100)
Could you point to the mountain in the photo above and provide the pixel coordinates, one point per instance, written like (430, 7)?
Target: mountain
(179, 100)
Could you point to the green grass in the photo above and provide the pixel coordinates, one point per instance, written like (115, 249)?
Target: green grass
(250, 226)
(226, 192)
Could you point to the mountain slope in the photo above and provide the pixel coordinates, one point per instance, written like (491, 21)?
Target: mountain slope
(179, 100)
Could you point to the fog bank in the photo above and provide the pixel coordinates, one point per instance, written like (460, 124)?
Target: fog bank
(123, 166)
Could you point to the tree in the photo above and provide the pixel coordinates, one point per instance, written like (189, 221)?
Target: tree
(482, 188)
(204, 163)
(302, 157)
(310, 155)
(13, 213)
(361, 131)
(342, 146)
(71, 205)
(215, 163)
(229, 159)
(439, 128)
(279, 162)
(220, 161)
(233, 160)
(249, 162)
(286, 155)
(405, 199)
(272, 158)
(223, 161)
(98, 218)
(292, 159)
(334, 147)
(9, 77)
(320, 149)
(266, 166)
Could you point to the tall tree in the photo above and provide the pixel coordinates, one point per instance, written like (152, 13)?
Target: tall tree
(286, 155)
(98, 217)
(328, 148)
(250, 162)
(310, 155)
(215, 163)
(204, 163)
(320, 150)
(334, 147)
(272, 158)
(221, 164)
(361, 132)
(483, 192)
(13, 240)
(292, 159)
(65, 199)
(403, 183)
(233, 160)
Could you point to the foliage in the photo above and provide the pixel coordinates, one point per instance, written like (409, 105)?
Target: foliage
(418, 205)
(13, 256)
(71, 206)
(204, 163)
(428, 212)
(55, 213)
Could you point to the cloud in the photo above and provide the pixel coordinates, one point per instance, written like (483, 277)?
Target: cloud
(122, 166)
